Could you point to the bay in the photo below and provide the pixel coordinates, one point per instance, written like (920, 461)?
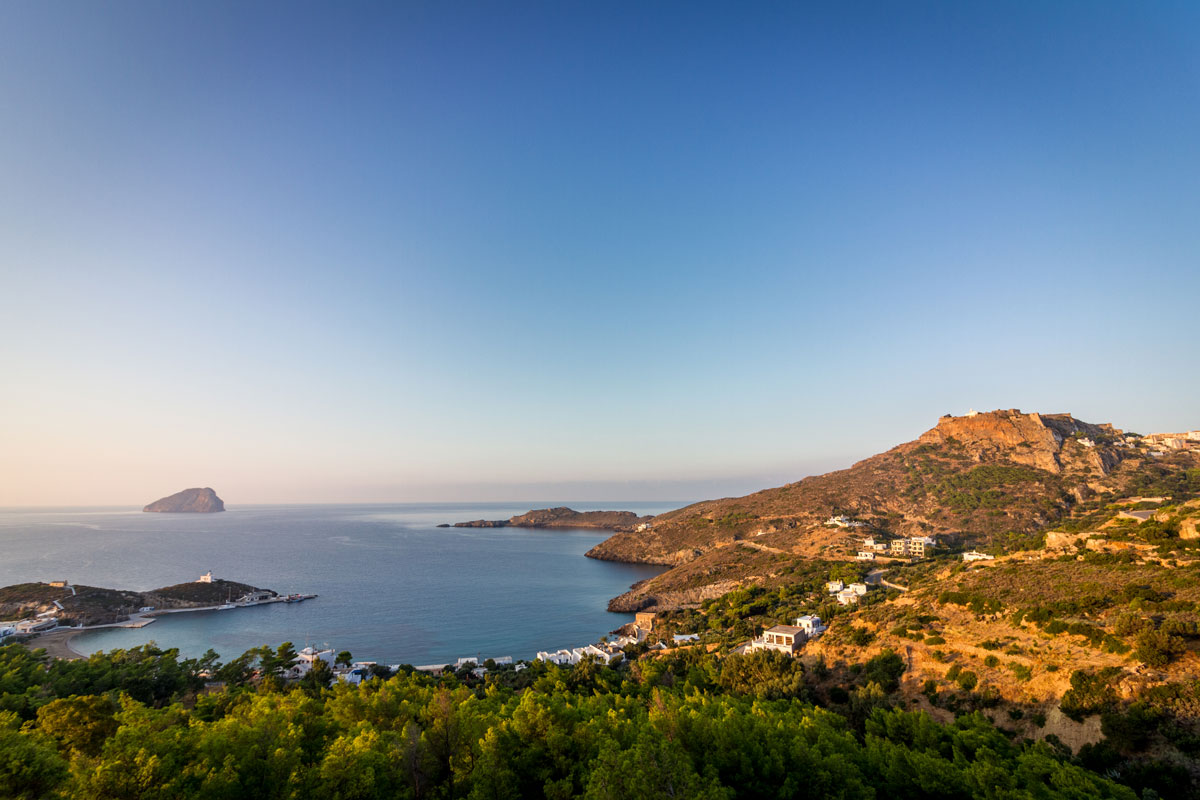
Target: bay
(392, 586)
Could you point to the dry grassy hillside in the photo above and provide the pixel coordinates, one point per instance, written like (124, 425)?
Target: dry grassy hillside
(986, 480)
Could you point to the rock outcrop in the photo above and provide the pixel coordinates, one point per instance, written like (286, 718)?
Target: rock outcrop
(1034, 440)
(194, 501)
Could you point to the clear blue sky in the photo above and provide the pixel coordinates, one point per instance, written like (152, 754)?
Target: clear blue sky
(404, 251)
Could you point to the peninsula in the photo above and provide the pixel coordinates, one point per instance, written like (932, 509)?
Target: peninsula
(193, 501)
(563, 517)
(79, 605)
(56, 612)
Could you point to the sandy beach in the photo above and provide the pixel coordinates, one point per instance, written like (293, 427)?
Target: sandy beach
(57, 644)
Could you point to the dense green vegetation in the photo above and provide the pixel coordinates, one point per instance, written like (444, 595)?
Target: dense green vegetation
(685, 724)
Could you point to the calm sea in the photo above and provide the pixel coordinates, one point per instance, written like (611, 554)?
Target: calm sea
(393, 587)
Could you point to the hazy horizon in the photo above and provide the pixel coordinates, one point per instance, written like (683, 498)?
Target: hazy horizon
(402, 252)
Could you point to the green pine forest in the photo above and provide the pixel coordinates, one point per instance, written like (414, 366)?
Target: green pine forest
(144, 723)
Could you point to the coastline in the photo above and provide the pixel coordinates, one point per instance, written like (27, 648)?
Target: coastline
(465, 610)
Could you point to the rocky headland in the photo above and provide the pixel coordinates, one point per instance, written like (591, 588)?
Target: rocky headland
(192, 501)
(563, 517)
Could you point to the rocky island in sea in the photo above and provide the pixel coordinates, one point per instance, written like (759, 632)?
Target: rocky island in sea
(193, 501)
(562, 517)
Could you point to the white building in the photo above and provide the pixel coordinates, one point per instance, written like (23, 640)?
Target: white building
(358, 672)
(42, 623)
(975, 555)
(833, 587)
(560, 657)
(580, 653)
(842, 521)
(477, 661)
(865, 555)
(205, 578)
(914, 546)
(858, 588)
(782, 638)
(847, 597)
(575, 655)
(811, 625)
(306, 658)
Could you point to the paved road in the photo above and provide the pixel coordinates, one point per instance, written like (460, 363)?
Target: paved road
(876, 576)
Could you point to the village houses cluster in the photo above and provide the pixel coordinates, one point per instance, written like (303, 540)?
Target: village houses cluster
(607, 651)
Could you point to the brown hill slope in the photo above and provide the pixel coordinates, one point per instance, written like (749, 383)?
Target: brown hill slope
(975, 480)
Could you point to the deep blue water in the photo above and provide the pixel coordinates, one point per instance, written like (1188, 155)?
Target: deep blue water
(393, 587)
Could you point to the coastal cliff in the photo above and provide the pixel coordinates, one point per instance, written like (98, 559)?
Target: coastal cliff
(562, 517)
(191, 501)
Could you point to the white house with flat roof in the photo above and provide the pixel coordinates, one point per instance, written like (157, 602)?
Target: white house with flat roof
(811, 625)
(782, 638)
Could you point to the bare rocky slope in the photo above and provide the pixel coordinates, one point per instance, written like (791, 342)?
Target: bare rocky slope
(975, 481)
(196, 501)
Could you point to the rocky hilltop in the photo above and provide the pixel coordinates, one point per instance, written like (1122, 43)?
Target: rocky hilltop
(198, 501)
(976, 480)
(562, 517)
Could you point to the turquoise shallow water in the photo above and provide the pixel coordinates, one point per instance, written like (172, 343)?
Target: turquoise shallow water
(393, 587)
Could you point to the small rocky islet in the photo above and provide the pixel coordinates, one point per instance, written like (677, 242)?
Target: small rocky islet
(189, 501)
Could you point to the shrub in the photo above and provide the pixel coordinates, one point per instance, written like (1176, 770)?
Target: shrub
(1090, 693)
(1022, 672)
(885, 669)
(860, 636)
(1156, 648)
(967, 680)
